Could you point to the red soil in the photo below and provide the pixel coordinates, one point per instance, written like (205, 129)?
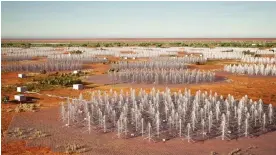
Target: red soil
(254, 87)
(105, 144)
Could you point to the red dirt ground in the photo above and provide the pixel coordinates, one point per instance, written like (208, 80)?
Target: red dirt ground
(254, 87)
(106, 144)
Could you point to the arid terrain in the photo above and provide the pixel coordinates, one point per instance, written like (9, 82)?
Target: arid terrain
(45, 116)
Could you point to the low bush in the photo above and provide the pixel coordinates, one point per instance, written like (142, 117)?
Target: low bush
(26, 107)
(248, 52)
(199, 63)
(228, 50)
(74, 148)
(76, 52)
(62, 80)
(8, 88)
(5, 99)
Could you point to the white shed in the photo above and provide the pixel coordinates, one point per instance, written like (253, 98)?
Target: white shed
(20, 97)
(21, 89)
(77, 86)
(21, 75)
(76, 71)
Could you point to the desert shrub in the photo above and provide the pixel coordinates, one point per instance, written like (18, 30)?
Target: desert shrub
(172, 55)
(38, 134)
(111, 70)
(228, 50)
(248, 52)
(26, 107)
(63, 80)
(76, 52)
(199, 63)
(5, 99)
(35, 87)
(74, 148)
(8, 88)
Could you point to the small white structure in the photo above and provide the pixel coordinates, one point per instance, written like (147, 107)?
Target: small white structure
(21, 75)
(105, 58)
(76, 71)
(20, 97)
(77, 86)
(21, 89)
(133, 58)
(125, 58)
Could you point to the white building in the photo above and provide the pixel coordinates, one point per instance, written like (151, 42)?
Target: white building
(76, 71)
(21, 89)
(20, 97)
(78, 86)
(21, 75)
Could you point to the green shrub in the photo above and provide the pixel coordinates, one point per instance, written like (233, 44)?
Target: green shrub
(76, 52)
(62, 80)
(5, 99)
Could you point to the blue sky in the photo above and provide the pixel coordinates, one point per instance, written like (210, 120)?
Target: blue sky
(137, 19)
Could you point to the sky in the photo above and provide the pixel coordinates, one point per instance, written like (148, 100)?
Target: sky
(138, 19)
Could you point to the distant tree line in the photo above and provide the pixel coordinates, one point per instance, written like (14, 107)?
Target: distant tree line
(211, 44)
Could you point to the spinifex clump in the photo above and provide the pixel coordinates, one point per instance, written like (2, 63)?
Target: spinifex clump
(167, 114)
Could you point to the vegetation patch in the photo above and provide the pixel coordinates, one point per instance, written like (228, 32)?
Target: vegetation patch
(27, 107)
(209, 44)
(29, 133)
(5, 99)
(7, 88)
(45, 83)
(72, 148)
(59, 80)
(76, 52)
(248, 53)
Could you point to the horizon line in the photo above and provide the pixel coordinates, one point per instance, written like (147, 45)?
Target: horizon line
(132, 38)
